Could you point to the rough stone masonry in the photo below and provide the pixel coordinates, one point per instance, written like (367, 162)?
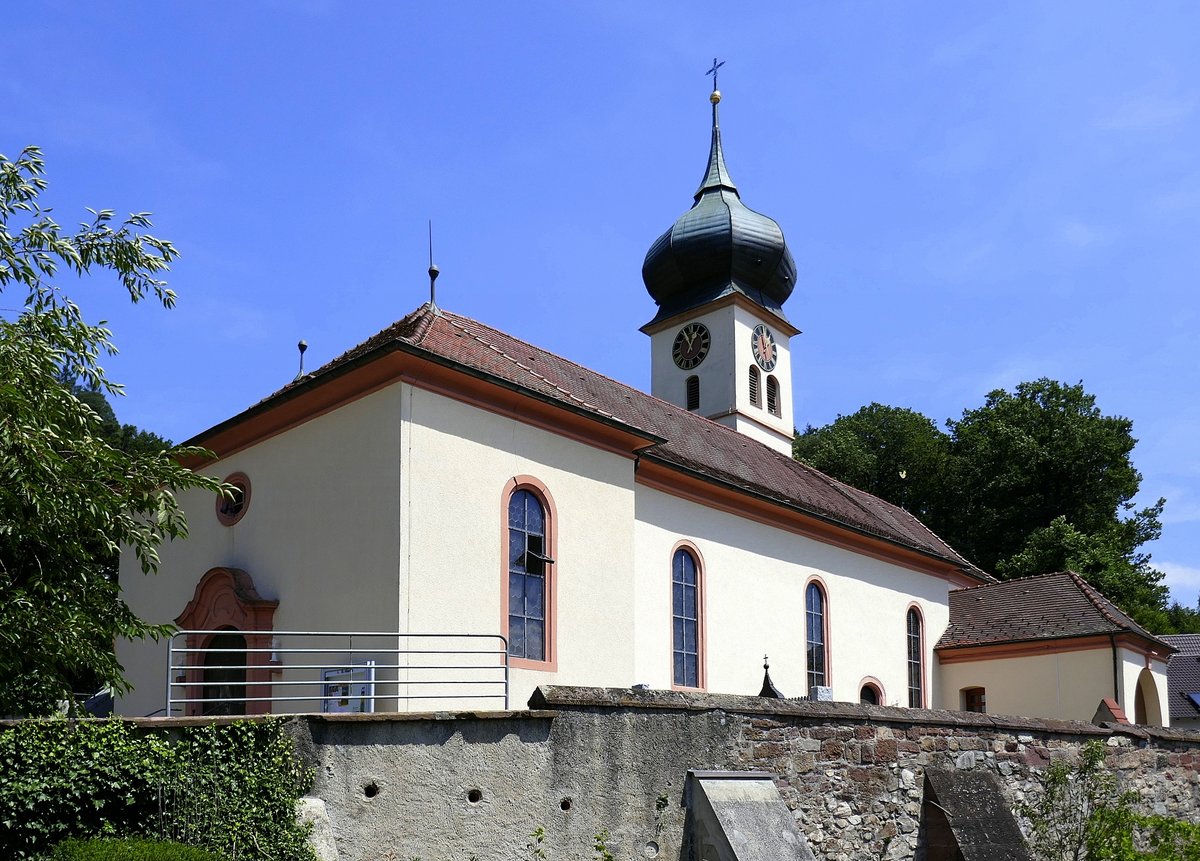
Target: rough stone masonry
(583, 761)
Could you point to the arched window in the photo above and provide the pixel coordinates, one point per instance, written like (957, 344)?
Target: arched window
(530, 566)
(814, 634)
(755, 390)
(916, 674)
(693, 392)
(869, 695)
(686, 655)
(773, 395)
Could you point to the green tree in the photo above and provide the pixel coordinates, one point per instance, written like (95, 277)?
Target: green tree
(1040, 452)
(1035, 480)
(895, 453)
(69, 498)
(128, 438)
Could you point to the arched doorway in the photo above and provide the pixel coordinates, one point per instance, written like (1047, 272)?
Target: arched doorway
(226, 601)
(1146, 707)
(224, 675)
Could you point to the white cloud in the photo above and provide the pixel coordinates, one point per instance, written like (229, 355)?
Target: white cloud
(1146, 113)
(1183, 581)
(1080, 235)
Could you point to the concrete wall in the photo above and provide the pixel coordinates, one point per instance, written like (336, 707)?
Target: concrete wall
(592, 759)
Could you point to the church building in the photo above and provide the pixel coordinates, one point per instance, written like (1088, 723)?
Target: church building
(444, 485)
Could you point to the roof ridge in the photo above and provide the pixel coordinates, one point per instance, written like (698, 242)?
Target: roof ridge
(691, 416)
(524, 367)
(850, 492)
(1099, 601)
(999, 582)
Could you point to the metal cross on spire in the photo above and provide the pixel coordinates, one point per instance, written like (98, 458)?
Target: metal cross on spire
(713, 71)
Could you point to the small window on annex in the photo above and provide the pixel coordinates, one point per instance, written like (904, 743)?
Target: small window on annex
(233, 504)
(528, 568)
(685, 620)
(870, 695)
(814, 632)
(755, 387)
(916, 686)
(974, 700)
(693, 393)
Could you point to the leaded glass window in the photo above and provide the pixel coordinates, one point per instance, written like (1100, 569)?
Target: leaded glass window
(527, 561)
(916, 691)
(814, 616)
(685, 620)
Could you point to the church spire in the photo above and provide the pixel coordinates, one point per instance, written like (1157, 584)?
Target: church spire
(716, 177)
(719, 246)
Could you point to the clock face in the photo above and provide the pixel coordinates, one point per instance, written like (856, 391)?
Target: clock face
(691, 345)
(766, 352)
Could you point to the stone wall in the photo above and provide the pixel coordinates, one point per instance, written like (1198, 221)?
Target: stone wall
(449, 786)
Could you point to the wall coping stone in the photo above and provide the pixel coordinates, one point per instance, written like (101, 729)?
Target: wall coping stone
(309, 717)
(563, 697)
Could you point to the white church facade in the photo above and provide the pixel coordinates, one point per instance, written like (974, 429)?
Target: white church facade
(446, 478)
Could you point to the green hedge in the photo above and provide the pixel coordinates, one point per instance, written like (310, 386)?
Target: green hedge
(232, 789)
(129, 849)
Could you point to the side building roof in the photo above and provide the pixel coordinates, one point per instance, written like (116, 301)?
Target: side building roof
(1183, 676)
(1046, 607)
(671, 436)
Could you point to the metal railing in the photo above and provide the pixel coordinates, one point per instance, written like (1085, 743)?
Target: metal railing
(290, 672)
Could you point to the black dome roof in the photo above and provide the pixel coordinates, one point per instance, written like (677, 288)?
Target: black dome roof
(719, 246)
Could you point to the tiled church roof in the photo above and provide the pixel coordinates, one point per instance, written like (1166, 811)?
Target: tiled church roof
(1046, 607)
(1183, 675)
(675, 437)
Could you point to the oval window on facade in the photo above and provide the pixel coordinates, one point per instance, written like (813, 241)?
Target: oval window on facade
(233, 504)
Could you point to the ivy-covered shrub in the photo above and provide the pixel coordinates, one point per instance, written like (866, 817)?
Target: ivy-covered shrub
(60, 779)
(128, 849)
(235, 790)
(231, 789)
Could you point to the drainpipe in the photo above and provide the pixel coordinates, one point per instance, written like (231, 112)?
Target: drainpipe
(1116, 670)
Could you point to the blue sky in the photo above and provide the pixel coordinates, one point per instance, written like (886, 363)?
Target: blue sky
(975, 194)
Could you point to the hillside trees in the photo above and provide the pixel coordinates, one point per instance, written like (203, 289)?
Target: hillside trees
(69, 498)
(1035, 480)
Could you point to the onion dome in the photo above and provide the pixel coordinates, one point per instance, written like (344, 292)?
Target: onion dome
(718, 247)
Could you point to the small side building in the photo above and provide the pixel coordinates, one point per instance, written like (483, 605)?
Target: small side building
(1052, 646)
(1183, 680)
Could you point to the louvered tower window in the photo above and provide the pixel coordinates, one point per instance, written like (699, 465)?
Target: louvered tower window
(693, 392)
(773, 395)
(755, 387)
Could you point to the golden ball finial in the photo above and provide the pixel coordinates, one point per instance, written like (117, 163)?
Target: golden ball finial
(715, 97)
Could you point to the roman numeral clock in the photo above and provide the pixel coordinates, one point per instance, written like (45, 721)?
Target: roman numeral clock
(691, 346)
(766, 352)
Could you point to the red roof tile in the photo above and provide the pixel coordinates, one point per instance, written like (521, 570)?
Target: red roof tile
(675, 436)
(1046, 607)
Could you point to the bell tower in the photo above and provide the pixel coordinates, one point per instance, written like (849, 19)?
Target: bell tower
(719, 344)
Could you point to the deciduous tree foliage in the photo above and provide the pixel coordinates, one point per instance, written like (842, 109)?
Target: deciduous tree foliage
(69, 498)
(1036, 480)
